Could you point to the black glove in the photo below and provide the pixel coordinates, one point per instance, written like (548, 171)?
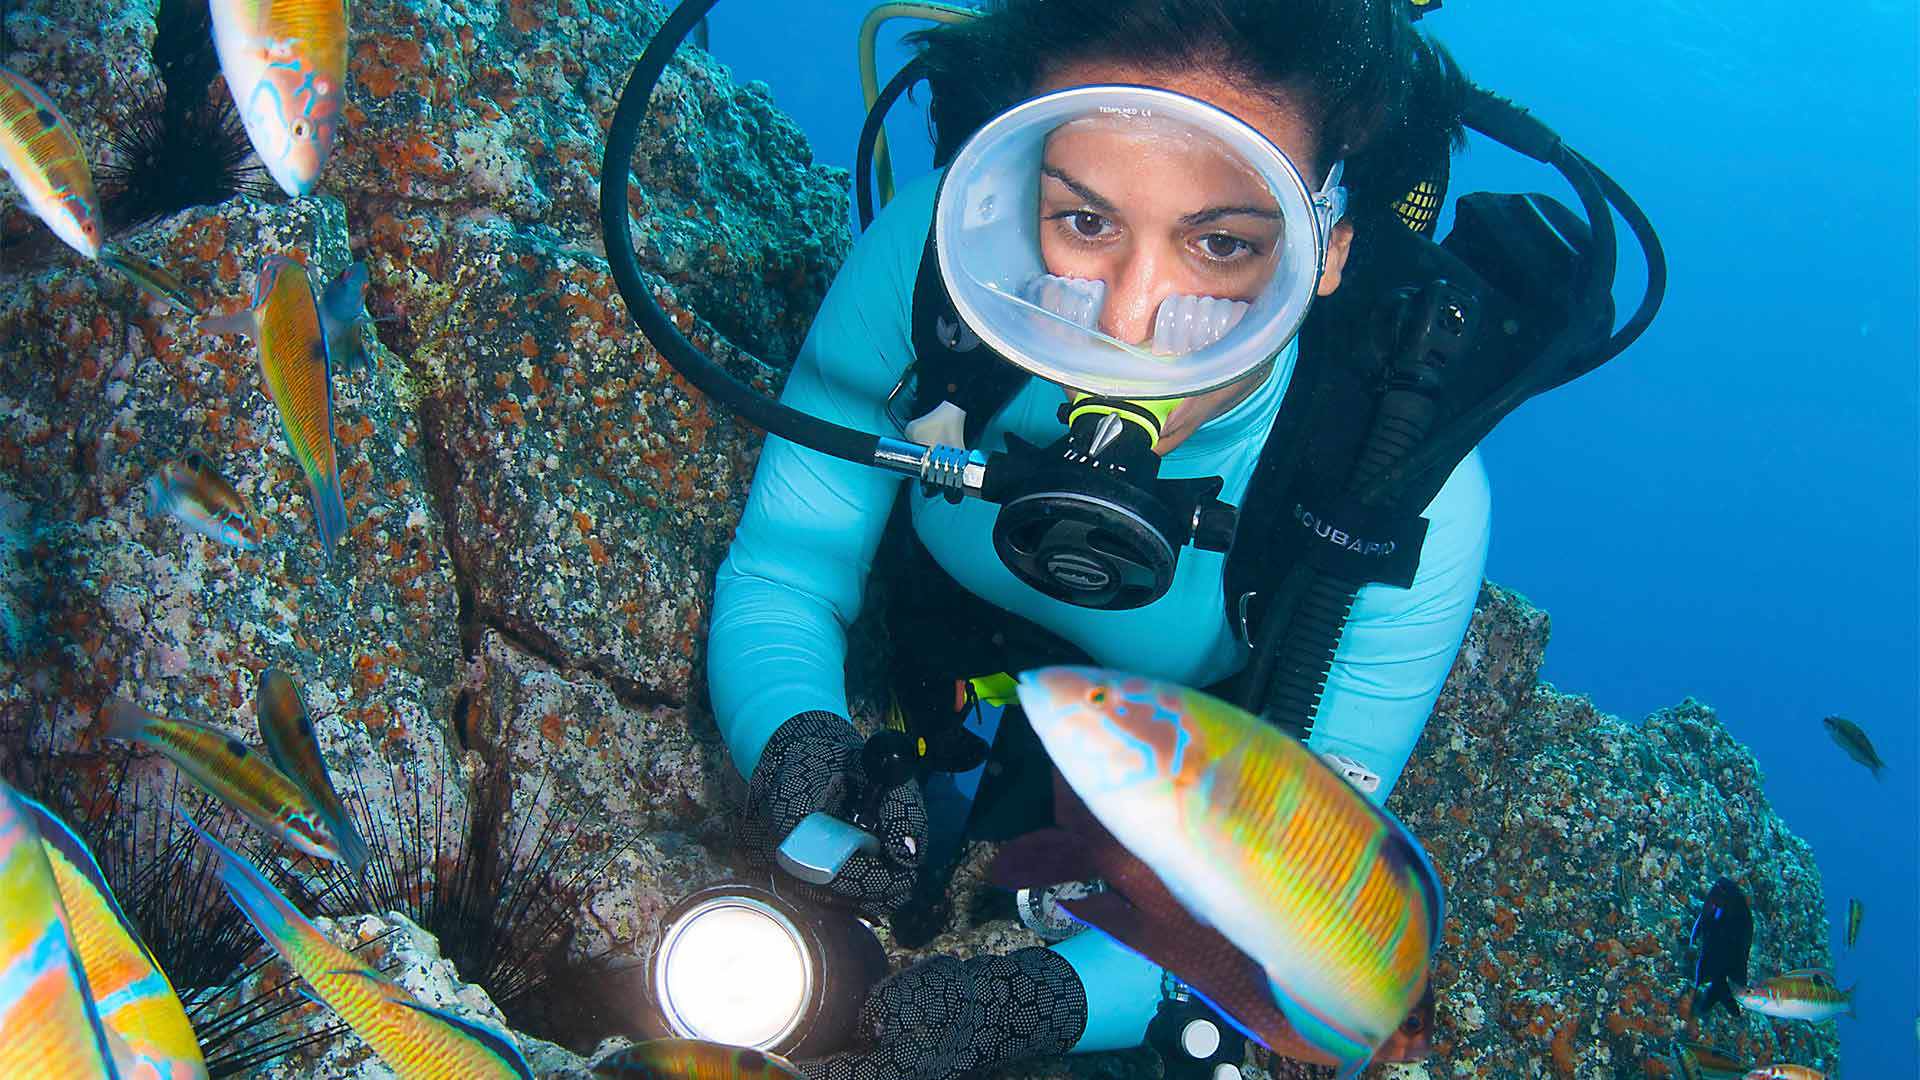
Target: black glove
(944, 1018)
(812, 763)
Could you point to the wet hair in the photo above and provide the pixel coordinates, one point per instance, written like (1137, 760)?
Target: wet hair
(1372, 89)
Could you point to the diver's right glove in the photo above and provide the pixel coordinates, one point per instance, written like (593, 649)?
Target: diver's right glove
(812, 763)
(945, 1018)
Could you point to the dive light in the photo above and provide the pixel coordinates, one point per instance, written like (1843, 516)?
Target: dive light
(743, 965)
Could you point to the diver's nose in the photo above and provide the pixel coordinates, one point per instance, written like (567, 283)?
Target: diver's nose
(1133, 298)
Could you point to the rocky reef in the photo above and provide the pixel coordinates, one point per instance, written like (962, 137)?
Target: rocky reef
(503, 656)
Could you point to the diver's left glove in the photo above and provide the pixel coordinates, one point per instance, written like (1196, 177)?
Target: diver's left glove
(945, 1017)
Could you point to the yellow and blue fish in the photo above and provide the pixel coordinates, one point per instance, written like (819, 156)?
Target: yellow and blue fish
(43, 156)
(230, 771)
(694, 1059)
(417, 1040)
(136, 1003)
(52, 1031)
(193, 493)
(284, 320)
(1328, 893)
(286, 63)
(288, 732)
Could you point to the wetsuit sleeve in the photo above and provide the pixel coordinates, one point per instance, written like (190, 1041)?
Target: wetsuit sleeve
(795, 573)
(1399, 644)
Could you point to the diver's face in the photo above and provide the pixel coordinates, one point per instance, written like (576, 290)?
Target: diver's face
(1155, 213)
(1155, 219)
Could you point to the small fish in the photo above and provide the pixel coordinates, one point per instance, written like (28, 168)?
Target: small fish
(43, 156)
(1694, 1061)
(342, 305)
(1721, 939)
(1786, 1072)
(693, 1059)
(196, 496)
(417, 1040)
(1856, 911)
(284, 321)
(230, 771)
(288, 733)
(150, 278)
(1221, 806)
(50, 1026)
(41, 153)
(1807, 994)
(131, 994)
(1848, 736)
(286, 63)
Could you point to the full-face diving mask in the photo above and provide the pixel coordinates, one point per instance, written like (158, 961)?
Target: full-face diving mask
(1136, 247)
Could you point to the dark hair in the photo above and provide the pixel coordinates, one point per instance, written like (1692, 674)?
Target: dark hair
(1377, 92)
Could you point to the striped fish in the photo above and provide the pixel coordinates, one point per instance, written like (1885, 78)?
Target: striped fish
(1856, 911)
(230, 771)
(283, 319)
(1696, 1061)
(1807, 994)
(41, 153)
(694, 1059)
(286, 63)
(1786, 1072)
(48, 1027)
(1329, 893)
(131, 994)
(418, 1041)
(288, 733)
(191, 492)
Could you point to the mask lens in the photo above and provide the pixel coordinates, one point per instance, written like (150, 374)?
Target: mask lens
(1128, 242)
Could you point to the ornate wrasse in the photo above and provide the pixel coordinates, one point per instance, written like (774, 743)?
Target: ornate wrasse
(132, 996)
(41, 153)
(283, 319)
(1256, 836)
(418, 1041)
(46, 1008)
(1807, 994)
(286, 63)
(288, 733)
(230, 771)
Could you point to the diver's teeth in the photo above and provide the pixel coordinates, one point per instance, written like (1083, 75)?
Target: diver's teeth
(1074, 299)
(1187, 324)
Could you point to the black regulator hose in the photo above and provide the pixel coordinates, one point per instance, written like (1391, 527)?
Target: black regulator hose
(616, 169)
(870, 134)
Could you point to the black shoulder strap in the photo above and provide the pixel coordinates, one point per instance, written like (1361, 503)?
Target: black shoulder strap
(950, 362)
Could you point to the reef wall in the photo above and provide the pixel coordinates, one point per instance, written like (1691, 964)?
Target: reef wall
(510, 634)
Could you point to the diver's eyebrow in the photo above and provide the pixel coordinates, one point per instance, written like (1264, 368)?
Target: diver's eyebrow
(1215, 213)
(1092, 197)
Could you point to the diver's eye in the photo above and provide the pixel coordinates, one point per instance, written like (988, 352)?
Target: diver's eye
(1222, 246)
(1084, 224)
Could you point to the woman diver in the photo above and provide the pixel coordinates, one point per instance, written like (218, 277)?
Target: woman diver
(1154, 192)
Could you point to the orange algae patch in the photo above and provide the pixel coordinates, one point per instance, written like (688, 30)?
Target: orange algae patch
(553, 729)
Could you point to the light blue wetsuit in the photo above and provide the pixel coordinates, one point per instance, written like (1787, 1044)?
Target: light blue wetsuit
(794, 578)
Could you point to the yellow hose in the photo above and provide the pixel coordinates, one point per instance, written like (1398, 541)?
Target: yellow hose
(870, 78)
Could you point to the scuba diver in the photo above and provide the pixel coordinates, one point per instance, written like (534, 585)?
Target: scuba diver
(1171, 287)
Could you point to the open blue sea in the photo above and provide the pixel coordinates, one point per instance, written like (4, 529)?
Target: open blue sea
(1727, 511)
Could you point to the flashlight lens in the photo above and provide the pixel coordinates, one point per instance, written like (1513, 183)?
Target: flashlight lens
(735, 976)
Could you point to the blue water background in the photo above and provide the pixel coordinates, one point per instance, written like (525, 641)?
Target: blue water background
(1728, 511)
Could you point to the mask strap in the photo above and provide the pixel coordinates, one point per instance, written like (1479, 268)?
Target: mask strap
(1330, 202)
